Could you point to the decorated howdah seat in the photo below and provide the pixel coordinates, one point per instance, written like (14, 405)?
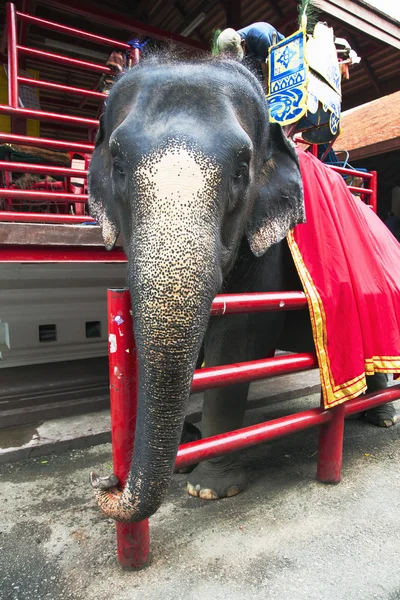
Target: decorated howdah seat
(305, 84)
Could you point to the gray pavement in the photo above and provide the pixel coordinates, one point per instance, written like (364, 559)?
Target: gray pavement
(81, 431)
(286, 538)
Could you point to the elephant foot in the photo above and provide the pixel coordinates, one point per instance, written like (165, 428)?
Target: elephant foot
(217, 478)
(382, 416)
(190, 433)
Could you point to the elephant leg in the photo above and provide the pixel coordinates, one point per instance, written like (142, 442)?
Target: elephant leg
(190, 433)
(228, 340)
(385, 414)
(221, 477)
(232, 339)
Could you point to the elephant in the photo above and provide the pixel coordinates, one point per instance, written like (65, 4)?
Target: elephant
(203, 189)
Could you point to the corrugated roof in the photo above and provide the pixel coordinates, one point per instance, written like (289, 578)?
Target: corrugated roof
(372, 128)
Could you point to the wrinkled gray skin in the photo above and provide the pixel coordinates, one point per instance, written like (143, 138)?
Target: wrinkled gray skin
(203, 190)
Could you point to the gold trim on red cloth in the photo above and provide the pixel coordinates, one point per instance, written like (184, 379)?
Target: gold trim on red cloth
(333, 394)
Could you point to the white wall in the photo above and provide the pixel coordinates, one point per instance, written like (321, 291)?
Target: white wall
(66, 295)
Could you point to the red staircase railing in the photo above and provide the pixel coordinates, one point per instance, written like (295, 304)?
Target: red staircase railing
(60, 198)
(369, 193)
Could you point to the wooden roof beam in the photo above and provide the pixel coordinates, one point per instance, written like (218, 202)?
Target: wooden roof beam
(366, 65)
(364, 18)
(234, 14)
(122, 22)
(277, 8)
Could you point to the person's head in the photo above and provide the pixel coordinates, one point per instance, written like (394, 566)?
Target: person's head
(230, 42)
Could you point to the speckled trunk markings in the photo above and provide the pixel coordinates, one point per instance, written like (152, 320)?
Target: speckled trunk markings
(173, 274)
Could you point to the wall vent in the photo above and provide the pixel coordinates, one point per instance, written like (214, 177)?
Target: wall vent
(47, 333)
(93, 329)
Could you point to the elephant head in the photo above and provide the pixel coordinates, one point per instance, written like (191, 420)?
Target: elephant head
(186, 164)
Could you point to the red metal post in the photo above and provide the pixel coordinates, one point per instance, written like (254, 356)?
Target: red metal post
(330, 450)
(12, 55)
(373, 201)
(132, 538)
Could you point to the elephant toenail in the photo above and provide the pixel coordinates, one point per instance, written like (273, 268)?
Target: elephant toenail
(207, 494)
(233, 491)
(191, 490)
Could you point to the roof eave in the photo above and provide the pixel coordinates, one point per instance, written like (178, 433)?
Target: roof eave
(363, 17)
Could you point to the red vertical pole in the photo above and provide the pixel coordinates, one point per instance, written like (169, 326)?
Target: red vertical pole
(373, 184)
(12, 55)
(330, 450)
(132, 538)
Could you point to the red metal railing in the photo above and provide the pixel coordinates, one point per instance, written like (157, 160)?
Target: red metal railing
(57, 87)
(14, 110)
(67, 146)
(33, 195)
(371, 177)
(48, 169)
(10, 253)
(77, 33)
(30, 113)
(27, 217)
(133, 538)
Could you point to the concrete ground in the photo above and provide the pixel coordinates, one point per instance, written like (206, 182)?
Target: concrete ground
(286, 538)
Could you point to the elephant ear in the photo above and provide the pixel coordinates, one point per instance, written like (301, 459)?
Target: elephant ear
(100, 189)
(280, 203)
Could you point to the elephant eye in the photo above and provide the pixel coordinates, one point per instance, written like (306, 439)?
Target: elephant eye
(118, 169)
(242, 172)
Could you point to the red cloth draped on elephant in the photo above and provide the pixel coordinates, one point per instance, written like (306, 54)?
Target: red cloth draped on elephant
(349, 265)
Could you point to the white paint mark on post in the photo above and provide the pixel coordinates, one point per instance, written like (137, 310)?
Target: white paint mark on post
(112, 338)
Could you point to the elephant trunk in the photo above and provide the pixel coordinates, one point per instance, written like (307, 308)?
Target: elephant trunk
(173, 276)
